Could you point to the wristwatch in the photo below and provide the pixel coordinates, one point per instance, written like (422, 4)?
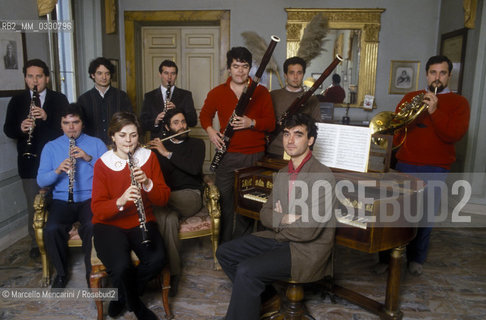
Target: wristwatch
(252, 125)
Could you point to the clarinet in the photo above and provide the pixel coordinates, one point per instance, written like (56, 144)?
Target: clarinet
(72, 171)
(242, 104)
(299, 102)
(35, 97)
(139, 203)
(166, 102)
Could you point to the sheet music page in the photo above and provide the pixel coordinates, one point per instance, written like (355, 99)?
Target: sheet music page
(343, 147)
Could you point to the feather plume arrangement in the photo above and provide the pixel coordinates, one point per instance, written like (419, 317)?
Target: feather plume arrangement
(257, 46)
(313, 38)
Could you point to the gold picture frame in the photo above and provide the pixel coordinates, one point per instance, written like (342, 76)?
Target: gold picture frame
(404, 76)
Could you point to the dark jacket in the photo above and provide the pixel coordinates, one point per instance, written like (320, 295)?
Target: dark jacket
(310, 239)
(153, 104)
(17, 111)
(98, 110)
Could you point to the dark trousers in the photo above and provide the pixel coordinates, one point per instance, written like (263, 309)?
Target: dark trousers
(252, 263)
(417, 248)
(30, 189)
(60, 220)
(225, 181)
(113, 246)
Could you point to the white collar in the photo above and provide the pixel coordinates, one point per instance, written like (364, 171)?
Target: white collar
(115, 163)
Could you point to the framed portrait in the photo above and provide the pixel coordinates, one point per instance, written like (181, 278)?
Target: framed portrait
(453, 46)
(115, 75)
(404, 76)
(12, 50)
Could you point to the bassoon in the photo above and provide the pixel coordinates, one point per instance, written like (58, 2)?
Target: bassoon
(241, 106)
(299, 102)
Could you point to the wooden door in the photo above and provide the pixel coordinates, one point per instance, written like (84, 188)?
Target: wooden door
(195, 50)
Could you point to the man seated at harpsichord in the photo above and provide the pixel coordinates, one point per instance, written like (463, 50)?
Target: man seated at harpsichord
(298, 241)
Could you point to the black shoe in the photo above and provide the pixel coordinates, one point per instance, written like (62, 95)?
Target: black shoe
(144, 313)
(115, 308)
(174, 285)
(59, 282)
(34, 253)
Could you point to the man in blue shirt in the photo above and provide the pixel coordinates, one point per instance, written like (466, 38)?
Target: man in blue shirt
(61, 159)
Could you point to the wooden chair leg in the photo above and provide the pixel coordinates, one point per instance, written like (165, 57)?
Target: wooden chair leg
(95, 283)
(293, 307)
(165, 284)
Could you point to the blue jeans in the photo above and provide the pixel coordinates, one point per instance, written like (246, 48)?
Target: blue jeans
(417, 249)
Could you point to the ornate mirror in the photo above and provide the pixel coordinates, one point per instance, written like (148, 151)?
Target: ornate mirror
(354, 34)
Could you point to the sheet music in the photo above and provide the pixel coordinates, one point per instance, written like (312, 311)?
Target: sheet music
(343, 147)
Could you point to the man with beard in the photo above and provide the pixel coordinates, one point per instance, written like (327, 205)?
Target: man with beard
(181, 159)
(428, 150)
(100, 103)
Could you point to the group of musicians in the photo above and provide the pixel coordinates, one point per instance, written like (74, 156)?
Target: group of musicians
(130, 198)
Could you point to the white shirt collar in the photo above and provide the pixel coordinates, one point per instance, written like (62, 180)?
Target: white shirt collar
(102, 94)
(115, 163)
(164, 91)
(42, 96)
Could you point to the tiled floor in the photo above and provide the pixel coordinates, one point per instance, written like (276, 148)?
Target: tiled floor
(453, 285)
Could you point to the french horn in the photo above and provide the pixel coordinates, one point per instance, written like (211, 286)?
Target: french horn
(388, 122)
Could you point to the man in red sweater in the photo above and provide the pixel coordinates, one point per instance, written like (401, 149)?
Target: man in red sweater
(247, 145)
(428, 150)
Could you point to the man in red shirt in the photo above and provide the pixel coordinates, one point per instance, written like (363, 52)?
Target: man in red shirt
(428, 150)
(247, 145)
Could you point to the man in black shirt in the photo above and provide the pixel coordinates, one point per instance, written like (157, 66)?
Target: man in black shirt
(181, 159)
(100, 103)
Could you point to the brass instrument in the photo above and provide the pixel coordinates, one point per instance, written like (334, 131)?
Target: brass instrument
(29, 154)
(72, 171)
(139, 202)
(388, 122)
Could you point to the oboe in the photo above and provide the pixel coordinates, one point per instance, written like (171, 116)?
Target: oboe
(139, 202)
(72, 171)
(33, 103)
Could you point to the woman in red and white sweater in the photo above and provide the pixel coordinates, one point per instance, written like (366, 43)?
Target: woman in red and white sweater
(116, 226)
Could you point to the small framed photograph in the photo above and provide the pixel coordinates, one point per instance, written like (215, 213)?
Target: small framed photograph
(453, 46)
(12, 49)
(115, 75)
(404, 76)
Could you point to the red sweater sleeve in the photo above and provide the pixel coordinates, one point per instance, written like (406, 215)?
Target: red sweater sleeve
(451, 121)
(208, 111)
(160, 192)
